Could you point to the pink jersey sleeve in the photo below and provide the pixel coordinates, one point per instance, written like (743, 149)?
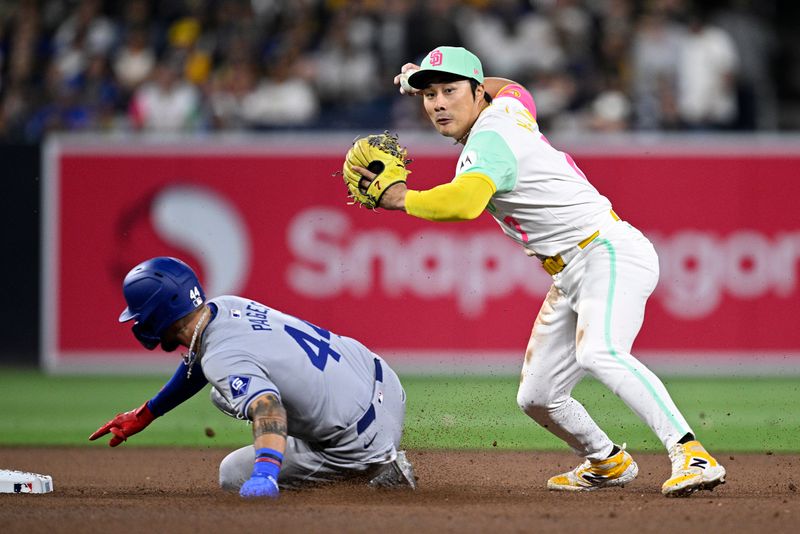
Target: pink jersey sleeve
(518, 92)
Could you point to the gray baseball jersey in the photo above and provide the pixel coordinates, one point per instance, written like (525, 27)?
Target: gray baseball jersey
(324, 381)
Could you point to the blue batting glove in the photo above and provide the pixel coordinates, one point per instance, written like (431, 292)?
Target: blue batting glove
(260, 486)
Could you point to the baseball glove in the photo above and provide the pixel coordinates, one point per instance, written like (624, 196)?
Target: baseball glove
(380, 154)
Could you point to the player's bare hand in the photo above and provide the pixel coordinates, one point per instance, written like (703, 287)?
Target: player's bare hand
(394, 198)
(402, 79)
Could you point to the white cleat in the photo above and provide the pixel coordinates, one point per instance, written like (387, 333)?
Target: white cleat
(693, 469)
(589, 476)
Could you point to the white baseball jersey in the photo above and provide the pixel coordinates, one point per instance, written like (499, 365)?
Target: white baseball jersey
(595, 307)
(543, 200)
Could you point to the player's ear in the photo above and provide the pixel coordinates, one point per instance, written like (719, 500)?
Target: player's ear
(479, 92)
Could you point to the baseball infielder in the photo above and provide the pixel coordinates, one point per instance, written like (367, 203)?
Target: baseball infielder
(603, 268)
(323, 406)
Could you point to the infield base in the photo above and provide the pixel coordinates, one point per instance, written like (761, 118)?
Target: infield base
(22, 482)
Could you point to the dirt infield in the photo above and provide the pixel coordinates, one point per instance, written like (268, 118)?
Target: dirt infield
(174, 490)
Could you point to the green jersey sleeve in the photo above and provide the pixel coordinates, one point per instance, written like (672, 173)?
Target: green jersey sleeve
(488, 153)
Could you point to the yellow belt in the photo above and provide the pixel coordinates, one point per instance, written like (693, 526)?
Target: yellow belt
(555, 264)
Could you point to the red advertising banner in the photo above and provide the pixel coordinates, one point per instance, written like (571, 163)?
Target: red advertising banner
(261, 220)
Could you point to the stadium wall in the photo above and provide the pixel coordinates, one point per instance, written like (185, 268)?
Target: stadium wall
(264, 217)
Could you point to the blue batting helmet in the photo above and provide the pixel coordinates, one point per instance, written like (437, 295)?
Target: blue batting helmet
(159, 291)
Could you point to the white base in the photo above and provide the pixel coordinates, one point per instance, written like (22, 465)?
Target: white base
(21, 482)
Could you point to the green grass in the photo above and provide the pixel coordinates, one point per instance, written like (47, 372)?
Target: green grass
(728, 414)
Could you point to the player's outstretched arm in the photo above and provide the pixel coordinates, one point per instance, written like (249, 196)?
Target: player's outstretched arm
(460, 200)
(269, 439)
(178, 389)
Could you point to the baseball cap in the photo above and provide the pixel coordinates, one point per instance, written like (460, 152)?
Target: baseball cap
(450, 60)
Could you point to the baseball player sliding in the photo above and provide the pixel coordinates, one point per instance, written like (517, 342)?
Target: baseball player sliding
(323, 406)
(603, 268)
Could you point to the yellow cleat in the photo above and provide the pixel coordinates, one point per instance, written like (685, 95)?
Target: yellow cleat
(615, 471)
(693, 469)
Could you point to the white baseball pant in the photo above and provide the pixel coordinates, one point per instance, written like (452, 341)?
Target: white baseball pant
(587, 324)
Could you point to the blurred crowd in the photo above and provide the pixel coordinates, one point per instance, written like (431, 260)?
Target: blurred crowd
(207, 65)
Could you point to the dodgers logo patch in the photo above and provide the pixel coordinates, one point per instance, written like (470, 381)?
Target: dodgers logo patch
(238, 385)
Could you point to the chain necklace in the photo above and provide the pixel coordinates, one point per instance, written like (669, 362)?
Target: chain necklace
(463, 138)
(191, 357)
